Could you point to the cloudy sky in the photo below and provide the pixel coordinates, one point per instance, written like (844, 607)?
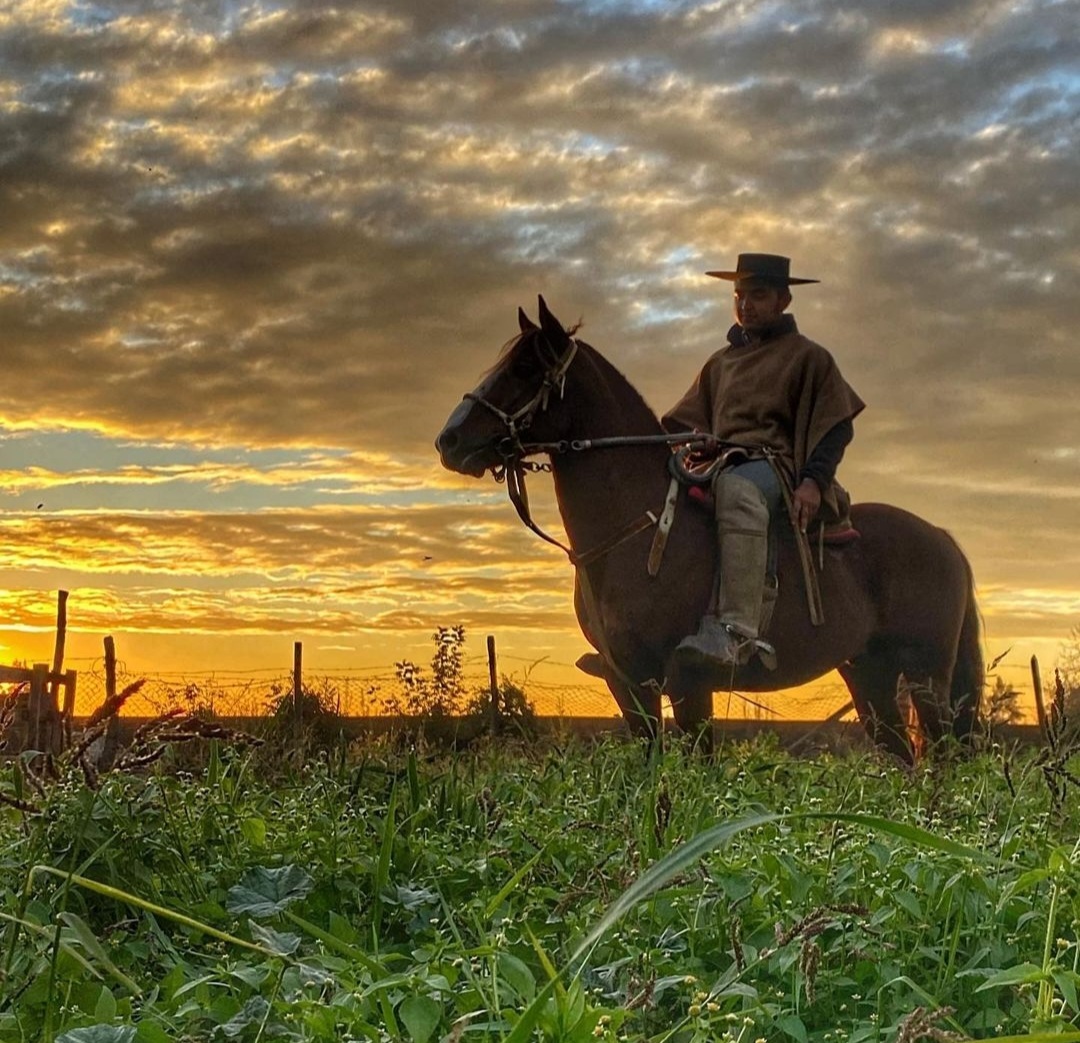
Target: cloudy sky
(251, 255)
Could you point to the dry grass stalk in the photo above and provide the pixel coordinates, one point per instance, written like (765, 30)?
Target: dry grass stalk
(112, 706)
(919, 1024)
(813, 924)
(1061, 743)
(20, 805)
(153, 738)
(148, 745)
(7, 711)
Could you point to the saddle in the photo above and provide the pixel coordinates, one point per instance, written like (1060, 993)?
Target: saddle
(833, 532)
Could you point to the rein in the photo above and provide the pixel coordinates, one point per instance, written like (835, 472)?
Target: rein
(514, 451)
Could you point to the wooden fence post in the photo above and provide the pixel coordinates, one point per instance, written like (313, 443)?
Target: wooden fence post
(112, 729)
(36, 705)
(57, 679)
(495, 709)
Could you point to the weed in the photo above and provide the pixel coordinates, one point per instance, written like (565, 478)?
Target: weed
(512, 894)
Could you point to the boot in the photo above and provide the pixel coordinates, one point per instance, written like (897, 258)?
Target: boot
(729, 637)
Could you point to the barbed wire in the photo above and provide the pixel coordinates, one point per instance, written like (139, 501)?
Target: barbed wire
(364, 691)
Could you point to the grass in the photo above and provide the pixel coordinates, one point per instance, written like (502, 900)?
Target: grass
(557, 893)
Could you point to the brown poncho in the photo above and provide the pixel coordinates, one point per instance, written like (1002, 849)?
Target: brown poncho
(784, 391)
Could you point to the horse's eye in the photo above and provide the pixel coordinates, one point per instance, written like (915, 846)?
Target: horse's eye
(521, 366)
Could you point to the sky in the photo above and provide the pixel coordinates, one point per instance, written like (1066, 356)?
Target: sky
(252, 255)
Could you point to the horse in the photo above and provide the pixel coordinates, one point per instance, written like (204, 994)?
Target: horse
(899, 605)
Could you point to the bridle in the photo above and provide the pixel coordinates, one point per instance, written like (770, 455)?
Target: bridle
(514, 467)
(511, 448)
(514, 451)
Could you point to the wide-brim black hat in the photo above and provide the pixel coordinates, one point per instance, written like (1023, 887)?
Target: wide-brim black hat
(770, 268)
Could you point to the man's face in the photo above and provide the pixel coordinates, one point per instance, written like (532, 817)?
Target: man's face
(758, 305)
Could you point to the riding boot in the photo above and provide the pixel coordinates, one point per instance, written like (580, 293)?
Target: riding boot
(728, 636)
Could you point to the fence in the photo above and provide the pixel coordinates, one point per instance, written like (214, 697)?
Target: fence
(357, 693)
(364, 692)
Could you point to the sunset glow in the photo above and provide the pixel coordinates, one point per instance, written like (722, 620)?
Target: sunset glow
(252, 256)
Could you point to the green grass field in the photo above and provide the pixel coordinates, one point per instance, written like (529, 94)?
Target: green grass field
(556, 893)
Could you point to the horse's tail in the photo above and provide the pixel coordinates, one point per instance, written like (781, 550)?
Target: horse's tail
(969, 674)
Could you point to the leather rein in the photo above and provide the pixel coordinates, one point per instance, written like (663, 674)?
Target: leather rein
(514, 467)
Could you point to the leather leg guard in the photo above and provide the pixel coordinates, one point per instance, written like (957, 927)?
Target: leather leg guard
(742, 517)
(729, 638)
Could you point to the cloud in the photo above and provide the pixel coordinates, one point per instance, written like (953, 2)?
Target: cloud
(306, 229)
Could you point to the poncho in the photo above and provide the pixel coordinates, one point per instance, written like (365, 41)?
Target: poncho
(783, 391)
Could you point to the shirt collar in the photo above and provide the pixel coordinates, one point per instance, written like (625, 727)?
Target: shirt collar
(739, 338)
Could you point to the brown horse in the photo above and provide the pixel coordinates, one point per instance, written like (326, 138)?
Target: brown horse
(899, 606)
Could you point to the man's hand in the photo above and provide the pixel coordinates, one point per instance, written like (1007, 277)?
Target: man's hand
(807, 501)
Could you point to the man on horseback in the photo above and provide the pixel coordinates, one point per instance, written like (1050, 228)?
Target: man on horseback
(781, 398)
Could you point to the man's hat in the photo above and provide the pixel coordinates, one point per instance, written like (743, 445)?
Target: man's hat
(771, 268)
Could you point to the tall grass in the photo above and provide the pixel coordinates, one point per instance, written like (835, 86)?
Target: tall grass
(578, 892)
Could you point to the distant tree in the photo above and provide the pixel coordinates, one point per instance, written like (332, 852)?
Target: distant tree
(199, 700)
(437, 694)
(1002, 704)
(440, 692)
(516, 712)
(310, 715)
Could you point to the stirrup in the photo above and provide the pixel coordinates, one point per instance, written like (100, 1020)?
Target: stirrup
(766, 653)
(748, 647)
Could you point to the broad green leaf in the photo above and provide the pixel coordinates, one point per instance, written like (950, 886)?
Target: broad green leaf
(517, 975)
(792, 1025)
(283, 944)
(254, 830)
(1021, 974)
(420, 1015)
(99, 1034)
(265, 892)
(908, 902)
(1067, 981)
(413, 898)
(151, 1032)
(105, 1008)
(253, 1012)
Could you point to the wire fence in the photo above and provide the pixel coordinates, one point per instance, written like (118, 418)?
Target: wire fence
(370, 691)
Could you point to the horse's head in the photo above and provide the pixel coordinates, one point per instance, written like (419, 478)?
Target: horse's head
(517, 396)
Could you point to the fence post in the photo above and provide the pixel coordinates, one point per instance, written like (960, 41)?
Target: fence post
(64, 738)
(112, 728)
(37, 705)
(496, 710)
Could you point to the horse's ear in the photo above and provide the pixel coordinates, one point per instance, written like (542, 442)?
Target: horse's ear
(525, 322)
(551, 326)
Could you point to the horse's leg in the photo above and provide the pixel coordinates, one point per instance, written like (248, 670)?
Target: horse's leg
(927, 672)
(692, 706)
(929, 693)
(872, 678)
(640, 708)
(968, 676)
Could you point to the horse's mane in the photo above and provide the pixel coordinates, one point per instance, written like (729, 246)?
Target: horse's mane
(606, 370)
(613, 376)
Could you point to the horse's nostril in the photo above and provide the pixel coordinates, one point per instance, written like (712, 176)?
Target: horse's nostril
(447, 440)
